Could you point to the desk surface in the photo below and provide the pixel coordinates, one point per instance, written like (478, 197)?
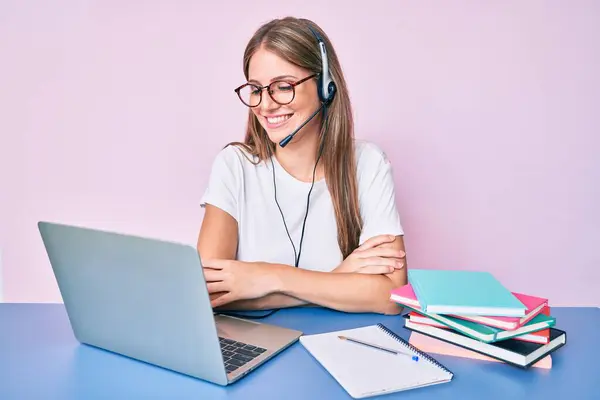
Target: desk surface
(39, 358)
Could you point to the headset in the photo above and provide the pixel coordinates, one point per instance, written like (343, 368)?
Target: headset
(326, 90)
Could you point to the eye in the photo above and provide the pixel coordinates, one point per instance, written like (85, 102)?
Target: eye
(283, 86)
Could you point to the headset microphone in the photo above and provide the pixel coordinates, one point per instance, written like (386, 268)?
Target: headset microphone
(289, 137)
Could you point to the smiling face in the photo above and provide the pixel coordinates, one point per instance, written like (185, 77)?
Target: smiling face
(281, 120)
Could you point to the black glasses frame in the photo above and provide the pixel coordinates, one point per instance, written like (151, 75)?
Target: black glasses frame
(261, 88)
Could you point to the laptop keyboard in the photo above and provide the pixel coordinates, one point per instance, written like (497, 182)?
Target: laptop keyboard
(236, 354)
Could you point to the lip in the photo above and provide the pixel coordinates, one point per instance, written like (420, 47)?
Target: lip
(278, 124)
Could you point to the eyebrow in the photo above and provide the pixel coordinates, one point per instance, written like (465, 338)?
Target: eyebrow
(273, 79)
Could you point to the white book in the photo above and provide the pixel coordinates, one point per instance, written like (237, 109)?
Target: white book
(364, 370)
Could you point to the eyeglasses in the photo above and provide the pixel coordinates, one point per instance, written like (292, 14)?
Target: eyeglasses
(281, 91)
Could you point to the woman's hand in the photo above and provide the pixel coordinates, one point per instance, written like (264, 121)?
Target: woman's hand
(231, 280)
(373, 257)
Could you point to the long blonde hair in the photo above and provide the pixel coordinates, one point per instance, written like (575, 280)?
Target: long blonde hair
(291, 39)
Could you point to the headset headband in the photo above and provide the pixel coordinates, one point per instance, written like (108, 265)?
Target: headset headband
(326, 85)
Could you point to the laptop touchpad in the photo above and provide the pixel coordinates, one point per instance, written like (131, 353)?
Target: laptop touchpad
(235, 327)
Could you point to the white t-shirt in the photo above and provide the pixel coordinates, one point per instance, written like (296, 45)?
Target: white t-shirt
(245, 191)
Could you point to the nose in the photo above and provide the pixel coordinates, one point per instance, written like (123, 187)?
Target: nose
(267, 104)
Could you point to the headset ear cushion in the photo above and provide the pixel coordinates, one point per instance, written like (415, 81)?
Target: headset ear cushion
(331, 89)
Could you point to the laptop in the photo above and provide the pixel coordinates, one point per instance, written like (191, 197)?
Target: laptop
(147, 299)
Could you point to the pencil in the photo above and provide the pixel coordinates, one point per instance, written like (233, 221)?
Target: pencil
(374, 346)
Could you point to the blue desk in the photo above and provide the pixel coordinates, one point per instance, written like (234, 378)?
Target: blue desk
(40, 359)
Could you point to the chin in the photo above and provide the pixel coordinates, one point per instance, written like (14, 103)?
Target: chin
(276, 137)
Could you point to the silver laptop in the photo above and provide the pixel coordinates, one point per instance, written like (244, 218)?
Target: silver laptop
(147, 299)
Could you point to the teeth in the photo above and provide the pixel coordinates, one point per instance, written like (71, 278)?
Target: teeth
(278, 119)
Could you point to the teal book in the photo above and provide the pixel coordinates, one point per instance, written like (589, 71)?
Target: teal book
(463, 293)
(490, 334)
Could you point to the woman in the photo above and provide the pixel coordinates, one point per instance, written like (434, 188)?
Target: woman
(300, 219)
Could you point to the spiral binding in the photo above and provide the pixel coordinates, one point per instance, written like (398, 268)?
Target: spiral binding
(413, 348)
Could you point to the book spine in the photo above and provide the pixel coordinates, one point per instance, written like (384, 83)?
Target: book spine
(418, 293)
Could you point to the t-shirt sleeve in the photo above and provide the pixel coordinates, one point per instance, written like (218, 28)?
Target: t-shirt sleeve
(377, 195)
(224, 182)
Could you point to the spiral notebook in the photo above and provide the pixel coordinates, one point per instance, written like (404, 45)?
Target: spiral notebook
(365, 371)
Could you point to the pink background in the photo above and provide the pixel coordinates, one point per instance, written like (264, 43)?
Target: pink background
(112, 112)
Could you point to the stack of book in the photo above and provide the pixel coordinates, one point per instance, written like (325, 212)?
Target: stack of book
(474, 311)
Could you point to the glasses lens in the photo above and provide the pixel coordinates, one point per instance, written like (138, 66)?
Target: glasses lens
(282, 92)
(250, 95)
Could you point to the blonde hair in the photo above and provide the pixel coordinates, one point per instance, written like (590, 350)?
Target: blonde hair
(291, 39)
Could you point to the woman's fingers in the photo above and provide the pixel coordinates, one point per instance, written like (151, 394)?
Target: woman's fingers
(383, 252)
(215, 263)
(213, 275)
(388, 262)
(376, 241)
(376, 269)
(226, 298)
(216, 287)
(214, 296)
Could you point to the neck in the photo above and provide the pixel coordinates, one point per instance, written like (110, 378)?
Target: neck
(299, 156)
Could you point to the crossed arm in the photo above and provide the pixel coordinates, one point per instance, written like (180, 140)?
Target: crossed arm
(362, 282)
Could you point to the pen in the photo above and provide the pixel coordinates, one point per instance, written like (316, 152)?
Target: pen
(374, 346)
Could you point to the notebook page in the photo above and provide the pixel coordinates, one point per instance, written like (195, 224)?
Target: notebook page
(364, 371)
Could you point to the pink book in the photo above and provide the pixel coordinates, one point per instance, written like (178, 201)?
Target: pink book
(431, 345)
(405, 295)
(541, 336)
